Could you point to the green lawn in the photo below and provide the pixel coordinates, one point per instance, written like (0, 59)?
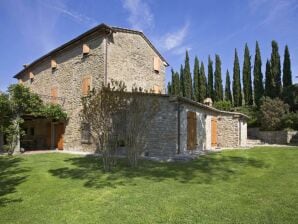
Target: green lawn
(240, 186)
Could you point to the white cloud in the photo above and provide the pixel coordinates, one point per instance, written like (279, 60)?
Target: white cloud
(140, 15)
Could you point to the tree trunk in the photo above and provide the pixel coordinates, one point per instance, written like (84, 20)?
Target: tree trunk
(17, 144)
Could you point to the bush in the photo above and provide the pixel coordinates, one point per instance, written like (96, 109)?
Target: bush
(290, 121)
(253, 115)
(271, 113)
(223, 105)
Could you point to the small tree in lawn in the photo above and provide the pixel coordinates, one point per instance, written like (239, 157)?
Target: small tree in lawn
(140, 112)
(99, 107)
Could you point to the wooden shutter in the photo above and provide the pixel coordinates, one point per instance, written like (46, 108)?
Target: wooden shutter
(213, 132)
(86, 85)
(54, 95)
(156, 64)
(191, 130)
(53, 64)
(86, 49)
(156, 89)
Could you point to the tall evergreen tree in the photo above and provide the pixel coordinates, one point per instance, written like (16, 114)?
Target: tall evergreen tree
(258, 76)
(210, 79)
(228, 94)
(246, 76)
(187, 78)
(275, 69)
(202, 84)
(237, 95)
(182, 89)
(169, 87)
(176, 88)
(287, 72)
(269, 81)
(218, 88)
(196, 72)
(172, 84)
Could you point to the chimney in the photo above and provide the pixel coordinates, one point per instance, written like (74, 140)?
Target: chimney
(25, 65)
(208, 102)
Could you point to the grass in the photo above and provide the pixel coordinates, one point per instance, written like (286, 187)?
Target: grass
(241, 186)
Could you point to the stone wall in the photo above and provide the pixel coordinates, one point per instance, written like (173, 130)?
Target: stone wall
(273, 137)
(228, 131)
(130, 59)
(72, 67)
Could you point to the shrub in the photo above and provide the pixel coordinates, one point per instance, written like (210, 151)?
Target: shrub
(223, 105)
(253, 115)
(290, 121)
(271, 113)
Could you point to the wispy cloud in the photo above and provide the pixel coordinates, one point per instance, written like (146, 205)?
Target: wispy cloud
(140, 15)
(75, 16)
(175, 39)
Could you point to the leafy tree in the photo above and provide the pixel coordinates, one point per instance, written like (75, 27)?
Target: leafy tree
(202, 84)
(228, 94)
(223, 105)
(258, 76)
(187, 78)
(237, 95)
(275, 69)
(99, 108)
(287, 72)
(210, 79)
(269, 81)
(218, 88)
(5, 114)
(247, 88)
(196, 72)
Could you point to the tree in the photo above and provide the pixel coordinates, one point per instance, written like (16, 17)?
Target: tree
(182, 88)
(169, 87)
(210, 79)
(139, 114)
(99, 109)
(237, 95)
(196, 72)
(287, 72)
(187, 78)
(272, 112)
(223, 105)
(228, 94)
(218, 88)
(246, 76)
(202, 84)
(258, 76)
(275, 69)
(5, 114)
(269, 82)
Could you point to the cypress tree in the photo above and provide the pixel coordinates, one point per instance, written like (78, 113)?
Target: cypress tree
(176, 87)
(287, 73)
(169, 88)
(246, 76)
(210, 79)
(218, 89)
(187, 78)
(269, 81)
(196, 79)
(228, 94)
(202, 84)
(258, 76)
(182, 89)
(172, 90)
(237, 95)
(275, 69)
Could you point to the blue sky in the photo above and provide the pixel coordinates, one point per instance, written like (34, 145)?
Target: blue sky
(31, 28)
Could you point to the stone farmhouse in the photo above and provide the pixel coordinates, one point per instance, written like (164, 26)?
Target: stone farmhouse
(107, 53)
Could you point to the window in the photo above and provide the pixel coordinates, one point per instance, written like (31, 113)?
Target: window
(86, 86)
(86, 49)
(54, 95)
(85, 133)
(156, 64)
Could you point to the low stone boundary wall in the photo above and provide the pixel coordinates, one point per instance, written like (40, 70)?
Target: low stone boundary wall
(272, 137)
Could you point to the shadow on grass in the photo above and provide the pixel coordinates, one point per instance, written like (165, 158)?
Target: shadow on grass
(11, 175)
(207, 169)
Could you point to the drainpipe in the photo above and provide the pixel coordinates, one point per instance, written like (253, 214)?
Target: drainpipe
(178, 128)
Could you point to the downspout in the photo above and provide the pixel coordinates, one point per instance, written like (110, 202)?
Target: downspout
(178, 128)
(106, 57)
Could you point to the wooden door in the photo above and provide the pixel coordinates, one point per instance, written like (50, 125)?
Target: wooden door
(213, 132)
(191, 130)
(59, 132)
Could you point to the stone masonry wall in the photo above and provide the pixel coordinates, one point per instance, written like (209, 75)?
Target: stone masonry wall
(228, 131)
(130, 59)
(72, 67)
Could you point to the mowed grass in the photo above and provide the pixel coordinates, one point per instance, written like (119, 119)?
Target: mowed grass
(240, 186)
